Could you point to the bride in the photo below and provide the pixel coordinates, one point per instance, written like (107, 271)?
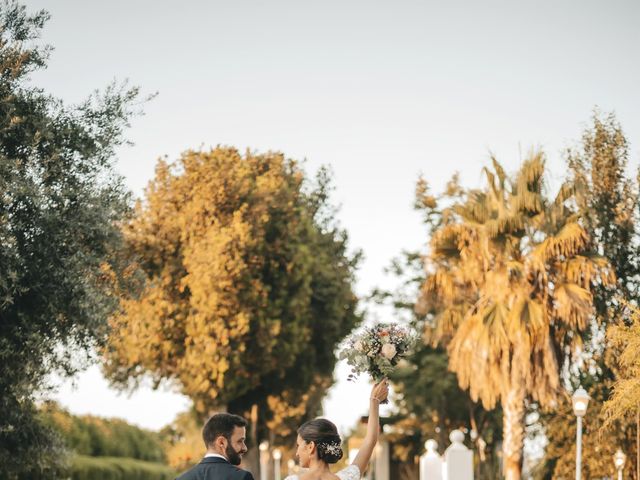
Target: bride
(319, 444)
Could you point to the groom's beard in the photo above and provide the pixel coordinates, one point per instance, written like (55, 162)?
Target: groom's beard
(234, 457)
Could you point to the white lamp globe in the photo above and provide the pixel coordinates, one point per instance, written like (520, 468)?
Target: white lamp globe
(619, 459)
(580, 400)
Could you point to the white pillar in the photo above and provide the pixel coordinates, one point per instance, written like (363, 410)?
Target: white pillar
(458, 458)
(431, 462)
(382, 461)
(277, 457)
(264, 460)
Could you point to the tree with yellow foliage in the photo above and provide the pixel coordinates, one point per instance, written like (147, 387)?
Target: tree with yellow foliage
(509, 280)
(607, 197)
(624, 403)
(246, 286)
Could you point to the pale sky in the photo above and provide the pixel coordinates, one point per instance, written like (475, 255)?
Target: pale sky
(380, 91)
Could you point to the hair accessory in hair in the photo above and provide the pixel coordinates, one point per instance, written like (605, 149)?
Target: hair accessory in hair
(333, 448)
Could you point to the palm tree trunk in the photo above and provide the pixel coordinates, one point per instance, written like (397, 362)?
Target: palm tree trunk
(513, 432)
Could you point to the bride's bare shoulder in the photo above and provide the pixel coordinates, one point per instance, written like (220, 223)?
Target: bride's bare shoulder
(307, 476)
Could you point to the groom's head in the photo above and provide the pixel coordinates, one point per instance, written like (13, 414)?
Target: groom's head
(225, 434)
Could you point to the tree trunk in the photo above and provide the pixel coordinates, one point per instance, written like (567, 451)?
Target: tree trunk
(513, 432)
(251, 459)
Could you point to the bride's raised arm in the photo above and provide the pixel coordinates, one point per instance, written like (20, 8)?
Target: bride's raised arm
(378, 394)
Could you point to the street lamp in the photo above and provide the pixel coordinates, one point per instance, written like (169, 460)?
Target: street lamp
(277, 455)
(580, 401)
(618, 460)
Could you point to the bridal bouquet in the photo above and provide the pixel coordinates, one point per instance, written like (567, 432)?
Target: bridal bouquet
(377, 350)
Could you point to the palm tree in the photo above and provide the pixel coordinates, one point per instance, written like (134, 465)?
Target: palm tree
(508, 287)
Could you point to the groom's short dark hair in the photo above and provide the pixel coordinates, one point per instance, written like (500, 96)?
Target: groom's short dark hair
(221, 424)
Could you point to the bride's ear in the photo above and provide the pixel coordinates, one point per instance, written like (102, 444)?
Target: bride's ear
(312, 447)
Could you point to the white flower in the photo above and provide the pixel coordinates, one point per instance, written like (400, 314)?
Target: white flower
(358, 346)
(388, 351)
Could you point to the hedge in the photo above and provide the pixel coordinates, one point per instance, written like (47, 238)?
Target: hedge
(103, 437)
(118, 468)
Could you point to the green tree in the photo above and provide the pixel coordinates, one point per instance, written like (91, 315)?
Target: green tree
(59, 205)
(430, 402)
(248, 287)
(607, 200)
(509, 282)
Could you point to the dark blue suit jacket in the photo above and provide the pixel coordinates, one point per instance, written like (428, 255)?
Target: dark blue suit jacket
(215, 468)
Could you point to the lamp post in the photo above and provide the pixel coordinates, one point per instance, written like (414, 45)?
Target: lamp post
(264, 459)
(580, 401)
(618, 460)
(277, 455)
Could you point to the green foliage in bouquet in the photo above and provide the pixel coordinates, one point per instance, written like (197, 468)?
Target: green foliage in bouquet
(377, 350)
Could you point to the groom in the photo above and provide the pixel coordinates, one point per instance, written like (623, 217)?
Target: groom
(224, 436)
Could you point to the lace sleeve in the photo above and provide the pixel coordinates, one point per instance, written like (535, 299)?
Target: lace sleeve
(352, 472)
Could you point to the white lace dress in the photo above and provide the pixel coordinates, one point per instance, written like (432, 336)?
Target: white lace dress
(352, 472)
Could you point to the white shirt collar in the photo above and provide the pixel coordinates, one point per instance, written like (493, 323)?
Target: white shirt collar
(215, 455)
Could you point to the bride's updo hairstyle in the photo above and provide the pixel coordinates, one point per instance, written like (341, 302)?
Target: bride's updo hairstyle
(325, 436)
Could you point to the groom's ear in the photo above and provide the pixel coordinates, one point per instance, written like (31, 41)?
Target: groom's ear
(220, 443)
